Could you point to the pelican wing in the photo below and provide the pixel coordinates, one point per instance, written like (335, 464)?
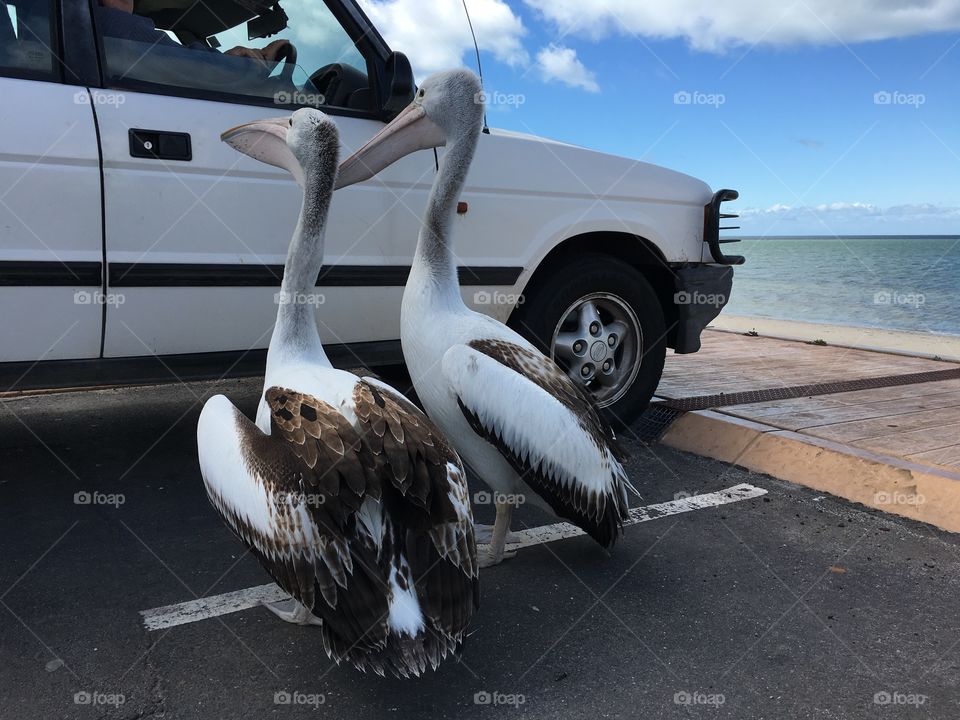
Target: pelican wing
(523, 404)
(292, 497)
(425, 490)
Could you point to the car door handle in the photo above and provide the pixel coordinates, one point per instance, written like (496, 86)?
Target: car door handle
(160, 145)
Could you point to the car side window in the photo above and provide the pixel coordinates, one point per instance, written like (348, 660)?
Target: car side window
(26, 38)
(288, 53)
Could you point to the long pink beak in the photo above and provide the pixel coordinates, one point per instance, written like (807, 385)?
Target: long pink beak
(410, 131)
(266, 141)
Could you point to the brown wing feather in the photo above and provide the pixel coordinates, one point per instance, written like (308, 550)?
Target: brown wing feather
(428, 497)
(319, 472)
(340, 467)
(314, 459)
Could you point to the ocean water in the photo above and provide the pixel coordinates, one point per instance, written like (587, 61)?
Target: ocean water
(896, 283)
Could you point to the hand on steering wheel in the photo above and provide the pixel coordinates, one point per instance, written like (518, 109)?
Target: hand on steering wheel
(278, 50)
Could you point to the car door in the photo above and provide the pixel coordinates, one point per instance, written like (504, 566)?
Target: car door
(50, 228)
(196, 233)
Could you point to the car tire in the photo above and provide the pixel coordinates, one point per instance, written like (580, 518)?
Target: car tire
(560, 309)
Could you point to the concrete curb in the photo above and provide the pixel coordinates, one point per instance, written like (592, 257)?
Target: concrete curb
(919, 492)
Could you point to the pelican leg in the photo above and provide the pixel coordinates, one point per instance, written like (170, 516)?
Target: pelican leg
(298, 614)
(501, 527)
(484, 534)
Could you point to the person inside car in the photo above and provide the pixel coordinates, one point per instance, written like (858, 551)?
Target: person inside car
(117, 19)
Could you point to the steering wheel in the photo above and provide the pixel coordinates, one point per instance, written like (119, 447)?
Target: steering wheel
(288, 55)
(337, 82)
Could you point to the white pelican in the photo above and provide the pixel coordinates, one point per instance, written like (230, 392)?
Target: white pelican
(514, 416)
(344, 491)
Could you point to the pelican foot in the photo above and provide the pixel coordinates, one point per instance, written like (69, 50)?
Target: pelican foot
(296, 614)
(489, 559)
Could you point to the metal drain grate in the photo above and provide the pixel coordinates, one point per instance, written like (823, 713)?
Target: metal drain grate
(706, 402)
(652, 424)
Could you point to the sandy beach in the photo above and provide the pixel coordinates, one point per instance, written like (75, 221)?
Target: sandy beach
(945, 347)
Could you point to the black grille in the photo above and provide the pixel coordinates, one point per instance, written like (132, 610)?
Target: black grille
(713, 216)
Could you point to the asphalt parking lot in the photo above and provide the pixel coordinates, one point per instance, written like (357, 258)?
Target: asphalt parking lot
(789, 605)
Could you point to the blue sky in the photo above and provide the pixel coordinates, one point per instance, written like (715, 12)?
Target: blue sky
(782, 102)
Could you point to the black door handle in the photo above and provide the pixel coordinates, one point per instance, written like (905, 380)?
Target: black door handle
(159, 145)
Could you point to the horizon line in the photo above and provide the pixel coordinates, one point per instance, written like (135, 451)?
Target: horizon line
(844, 237)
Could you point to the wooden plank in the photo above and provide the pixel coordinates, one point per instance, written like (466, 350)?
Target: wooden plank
(948, 457)
(830, 409)
(919, 421)
(905, 444)
(876, 427)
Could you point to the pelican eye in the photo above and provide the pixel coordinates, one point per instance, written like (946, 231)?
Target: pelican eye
(290, 121)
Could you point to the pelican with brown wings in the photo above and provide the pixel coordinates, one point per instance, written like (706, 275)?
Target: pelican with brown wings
(518, 420)
(350, 498)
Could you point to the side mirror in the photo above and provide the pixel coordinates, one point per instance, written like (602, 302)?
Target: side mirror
(401, 87)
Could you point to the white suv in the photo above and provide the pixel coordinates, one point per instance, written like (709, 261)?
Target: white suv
(136, 247)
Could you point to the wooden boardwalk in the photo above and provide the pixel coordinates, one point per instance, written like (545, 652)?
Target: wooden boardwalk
(918, 422)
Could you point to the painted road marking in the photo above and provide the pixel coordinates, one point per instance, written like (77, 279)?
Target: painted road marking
(561, 531)
(203, 608)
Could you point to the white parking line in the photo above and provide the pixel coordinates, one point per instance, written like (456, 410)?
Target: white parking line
(194, 610)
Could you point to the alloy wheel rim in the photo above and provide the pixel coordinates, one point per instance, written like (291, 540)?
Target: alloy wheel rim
(598, 342)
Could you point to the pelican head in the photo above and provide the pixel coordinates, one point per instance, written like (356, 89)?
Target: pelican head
(448, 107)
(304, 144)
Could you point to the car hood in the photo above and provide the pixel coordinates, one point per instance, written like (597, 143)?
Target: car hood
(530, 163)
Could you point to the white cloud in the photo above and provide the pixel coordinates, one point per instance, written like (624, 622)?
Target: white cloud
(562, 64)
(784, 212)
(849, 217)
(435, 34)
(715, 26)
(855, 208)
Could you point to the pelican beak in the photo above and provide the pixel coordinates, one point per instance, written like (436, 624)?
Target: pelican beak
(410, 131)
(266, 141)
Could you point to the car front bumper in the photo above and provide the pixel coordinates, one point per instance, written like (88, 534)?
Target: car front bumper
(702, 291)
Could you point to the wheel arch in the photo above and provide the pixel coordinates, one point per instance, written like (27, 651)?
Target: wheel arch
(640, 253)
